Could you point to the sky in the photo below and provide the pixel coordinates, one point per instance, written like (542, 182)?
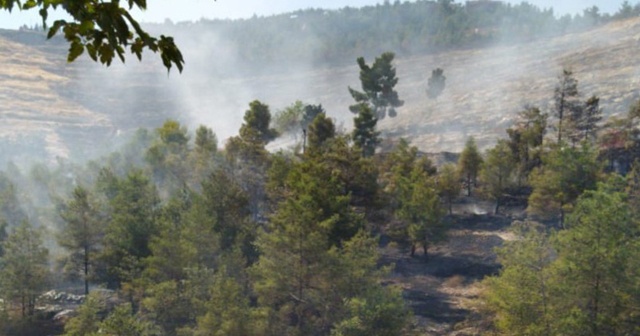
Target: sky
(192, 10)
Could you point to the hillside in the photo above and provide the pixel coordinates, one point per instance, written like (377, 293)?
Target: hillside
(72, 109)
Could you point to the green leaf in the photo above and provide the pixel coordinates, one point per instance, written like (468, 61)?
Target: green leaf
(29, 4)
(92, 52)
(75, 50)
(86, 26)
(55, 28)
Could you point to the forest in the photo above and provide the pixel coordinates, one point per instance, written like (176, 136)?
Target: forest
(177, 233)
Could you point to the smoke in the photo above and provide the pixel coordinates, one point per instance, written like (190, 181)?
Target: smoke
(572, 7)
(485, 87)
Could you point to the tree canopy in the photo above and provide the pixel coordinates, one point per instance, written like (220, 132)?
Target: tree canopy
(378, 81)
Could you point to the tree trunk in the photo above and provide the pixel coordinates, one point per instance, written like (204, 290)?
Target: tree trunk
(86, 270)
(413, 250)
(450, 206)
(425, 248)
(560, 117)
(495, 210)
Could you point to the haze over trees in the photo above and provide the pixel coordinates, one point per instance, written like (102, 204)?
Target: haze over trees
(194, 237)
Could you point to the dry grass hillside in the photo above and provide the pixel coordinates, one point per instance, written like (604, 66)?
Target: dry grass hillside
(67, 108)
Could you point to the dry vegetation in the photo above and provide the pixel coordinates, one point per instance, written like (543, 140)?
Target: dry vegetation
(485, 89)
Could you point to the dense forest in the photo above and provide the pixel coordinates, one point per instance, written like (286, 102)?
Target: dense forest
(178, 234)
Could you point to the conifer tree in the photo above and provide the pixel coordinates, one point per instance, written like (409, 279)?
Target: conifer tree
(525, 141)
(291, 275)
(256, 128)
(320, 130)
(567, 104)
(133, 222)
(364, 134)
(588, 125)
(470, 163)
(497, 173)
(398, 166)
(596, 256)
(566, 172)
(248, 158)
(82, 232)
(310, 113)
(521, 295)
(436, 83)
(10, 209)
(378, 82)
(167, 156)
(448, 185)
(421, 210)
(24, 274)
(228, 310)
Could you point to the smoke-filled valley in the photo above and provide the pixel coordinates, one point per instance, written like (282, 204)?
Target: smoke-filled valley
(417, 168)
(75, 110)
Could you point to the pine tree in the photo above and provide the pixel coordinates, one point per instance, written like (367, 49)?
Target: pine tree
(497, 172)
(364, 134)
(566, 172)
(25, 267)
(525, 141)
(588, 125)
(521, 295)
(398, 166)
(134, 214)
(228, 311)
(470, 163)
(203, 157)
(310, 113)
(10, 209)
(421, 210)
(82, 232)
(436, 83)
(567, 104)
(257, 122)
(448, 185)
(320, 130)
(597, 255)
(167, 156)
(291, 275)
(377, 83)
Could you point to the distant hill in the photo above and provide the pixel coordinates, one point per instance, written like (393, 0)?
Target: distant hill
(50, 108)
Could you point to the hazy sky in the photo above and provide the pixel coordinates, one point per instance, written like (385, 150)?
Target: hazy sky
(186, 10)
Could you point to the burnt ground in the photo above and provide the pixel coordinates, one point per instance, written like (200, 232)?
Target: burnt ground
(443, 289)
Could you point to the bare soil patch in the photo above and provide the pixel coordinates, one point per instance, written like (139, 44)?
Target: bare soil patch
(442, 289)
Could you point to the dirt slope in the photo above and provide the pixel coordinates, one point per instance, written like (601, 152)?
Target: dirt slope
(43, 98)
(30, 105)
